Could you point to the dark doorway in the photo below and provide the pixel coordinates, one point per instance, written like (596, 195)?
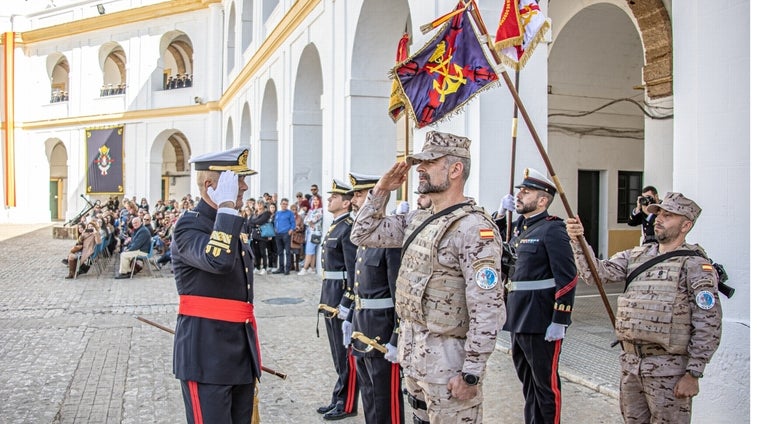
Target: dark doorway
(55, 199)
(588, 206)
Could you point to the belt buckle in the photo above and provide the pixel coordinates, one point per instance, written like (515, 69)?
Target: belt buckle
(358, 304)
(509, 286)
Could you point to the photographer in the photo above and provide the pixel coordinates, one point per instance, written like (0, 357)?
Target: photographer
(641, 215)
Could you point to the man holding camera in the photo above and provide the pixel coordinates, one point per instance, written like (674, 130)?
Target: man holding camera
(641, 214)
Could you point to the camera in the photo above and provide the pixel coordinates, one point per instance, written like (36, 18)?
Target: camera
(89, 230)
(646, 200)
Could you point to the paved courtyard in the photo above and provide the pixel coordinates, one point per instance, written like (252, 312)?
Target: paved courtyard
(73, 350)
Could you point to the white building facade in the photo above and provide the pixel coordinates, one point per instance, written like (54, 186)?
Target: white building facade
(622, 95)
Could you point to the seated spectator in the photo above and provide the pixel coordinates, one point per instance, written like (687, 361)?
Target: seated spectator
(85, 246)
(138, 245)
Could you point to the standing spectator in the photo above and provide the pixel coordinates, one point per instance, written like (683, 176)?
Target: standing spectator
(641, 215)
(449, 297)
(302, 201)
(298, 236)
(338, 255)
(669, 316)
(314, 224)
(540, 296)
(260, 245)
(284, 225)
(216, 350)
(314, 194)
(273, 254)
(138, 245)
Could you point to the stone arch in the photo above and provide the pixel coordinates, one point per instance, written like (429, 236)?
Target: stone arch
(380, 25)
(229, 133)
(57, 158)
(113, 66)
(169, 158)
(652, 21)
(231, 35)
(307, 121)
(58, 71)
(177, 57)
(269, 139)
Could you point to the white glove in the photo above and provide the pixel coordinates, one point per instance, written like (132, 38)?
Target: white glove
(555, 332)
(226, 190)
(343, 312)
(391, 353)
(507, 204)
(403, 208)
(346, 333)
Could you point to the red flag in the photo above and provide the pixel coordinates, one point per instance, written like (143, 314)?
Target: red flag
(396, 99)
(515, 46)
(447, 72)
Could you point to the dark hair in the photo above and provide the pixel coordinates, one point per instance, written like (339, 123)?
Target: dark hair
(649, 188)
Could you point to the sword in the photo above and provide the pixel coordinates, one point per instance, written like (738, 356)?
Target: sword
(372, 343)
(281, 375)
(322, 307)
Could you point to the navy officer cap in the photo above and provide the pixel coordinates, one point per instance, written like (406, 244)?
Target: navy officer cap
(536, 180)
(340, 187)
(228, 160)
(363, 181)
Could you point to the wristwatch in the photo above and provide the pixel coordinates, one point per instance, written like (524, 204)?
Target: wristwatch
(695, 374)
(470, 379)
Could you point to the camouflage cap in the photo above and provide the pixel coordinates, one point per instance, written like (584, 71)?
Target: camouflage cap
(440, 144)
(678, 204)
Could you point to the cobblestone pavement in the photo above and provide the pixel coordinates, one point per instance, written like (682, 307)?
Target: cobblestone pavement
(73, 350)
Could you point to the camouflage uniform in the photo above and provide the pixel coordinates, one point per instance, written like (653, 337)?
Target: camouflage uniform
(432, 351)
(669, 322)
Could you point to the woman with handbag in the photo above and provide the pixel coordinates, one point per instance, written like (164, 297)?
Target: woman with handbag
(258, 243)
(313, 223)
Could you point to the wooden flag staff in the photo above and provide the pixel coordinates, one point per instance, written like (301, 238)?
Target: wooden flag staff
(527, 119)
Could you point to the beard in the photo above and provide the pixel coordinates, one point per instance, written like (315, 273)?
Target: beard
(664, 235)
(425, 186)
(524, 208)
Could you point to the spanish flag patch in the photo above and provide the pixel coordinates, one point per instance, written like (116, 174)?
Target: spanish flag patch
(486, 234)
(707, 267)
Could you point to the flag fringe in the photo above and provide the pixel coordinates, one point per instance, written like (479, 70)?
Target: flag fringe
(521, 63)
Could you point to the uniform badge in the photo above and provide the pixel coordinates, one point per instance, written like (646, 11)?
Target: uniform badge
(486, 234)
(487, 278)
(705, 300)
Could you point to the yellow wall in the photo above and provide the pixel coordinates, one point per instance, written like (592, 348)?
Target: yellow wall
(618, 240)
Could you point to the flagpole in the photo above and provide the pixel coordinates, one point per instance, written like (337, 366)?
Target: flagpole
(406, 184)
(527, 119)
(512, 158)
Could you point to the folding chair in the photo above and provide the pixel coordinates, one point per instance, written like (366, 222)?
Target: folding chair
(149, 259)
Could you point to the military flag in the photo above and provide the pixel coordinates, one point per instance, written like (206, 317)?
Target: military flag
(447, 72)
(519, 32)
(396, 100)
(105, 164)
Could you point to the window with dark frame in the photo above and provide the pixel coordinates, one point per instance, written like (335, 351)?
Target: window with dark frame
(629, 189)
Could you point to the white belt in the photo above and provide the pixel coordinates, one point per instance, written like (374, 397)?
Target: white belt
(531, 285)
(334, 275)
(384, 303)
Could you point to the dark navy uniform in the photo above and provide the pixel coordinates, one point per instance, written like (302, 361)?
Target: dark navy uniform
(541, 292)
(338, 264)
(216, 351)
(374, 316)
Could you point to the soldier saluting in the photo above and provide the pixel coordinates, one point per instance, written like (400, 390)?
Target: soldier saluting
(216, 350)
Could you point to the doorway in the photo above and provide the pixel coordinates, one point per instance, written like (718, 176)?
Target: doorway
(55, 198)
(588, 206)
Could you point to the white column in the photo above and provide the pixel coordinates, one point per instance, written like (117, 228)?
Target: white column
(711, 165)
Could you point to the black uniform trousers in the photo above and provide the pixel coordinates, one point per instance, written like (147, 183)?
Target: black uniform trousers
(346, 388)
(536, 362)
(380, 390)
(213, 403)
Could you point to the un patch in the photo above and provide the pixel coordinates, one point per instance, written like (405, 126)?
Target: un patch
(487, 278)
(705, 300)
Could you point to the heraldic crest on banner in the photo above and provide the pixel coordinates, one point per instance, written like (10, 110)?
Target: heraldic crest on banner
(105, 165)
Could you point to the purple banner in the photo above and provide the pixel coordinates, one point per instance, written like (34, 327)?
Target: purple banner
(105, 160)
